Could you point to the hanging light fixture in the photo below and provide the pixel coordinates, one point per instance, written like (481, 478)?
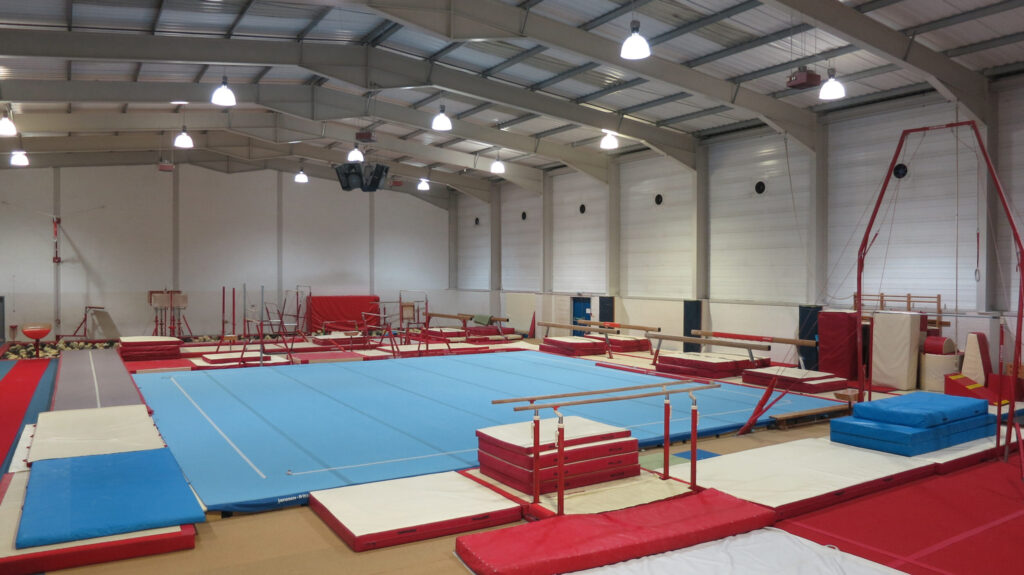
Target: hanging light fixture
(441, 123)
(355, 155)
(497, 166)
(183, 140)
(19, 158)
(7, 127)
(832, 89)
(223, 96)
(423, 186)
(301, 177)
(609, 141)
(635, 47)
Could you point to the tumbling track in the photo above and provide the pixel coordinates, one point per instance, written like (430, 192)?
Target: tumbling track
(252, 439)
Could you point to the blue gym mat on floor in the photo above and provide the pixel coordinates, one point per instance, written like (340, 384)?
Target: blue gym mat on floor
(258, 438)
(97, 495)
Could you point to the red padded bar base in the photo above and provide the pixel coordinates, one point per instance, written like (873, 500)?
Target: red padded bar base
(575, 542)
(408, 534)
(485, 441)
(571, 481)
(571, 454)
(525, 474)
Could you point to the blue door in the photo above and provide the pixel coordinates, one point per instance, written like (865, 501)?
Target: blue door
(580, 310)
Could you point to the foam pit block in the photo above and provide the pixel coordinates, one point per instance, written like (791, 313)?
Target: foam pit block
(385, 513)
(574, 542)
(920, 409)
(93, 496)
(977, 362)
(909, 441)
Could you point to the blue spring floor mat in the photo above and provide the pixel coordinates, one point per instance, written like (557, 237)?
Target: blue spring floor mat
(96, 495)
(259, 438)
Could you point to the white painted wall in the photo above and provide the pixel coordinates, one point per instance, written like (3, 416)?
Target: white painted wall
(522, 250)
(474, 225)
(580, 240)
(657, 255)
(410, 245)
(26, 239)
(916, 247)
(324, 241)
(117, 243)
(757, 241)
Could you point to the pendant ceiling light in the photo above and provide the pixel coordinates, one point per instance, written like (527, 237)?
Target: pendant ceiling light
(635, 47)
(301, 177)
(183, 140)
(609, 141)
(832, 89)
(7, 127)
(497, 166)
(355, 155)
(441, 123)
(19, 158)
(423, 186)
(223, 96)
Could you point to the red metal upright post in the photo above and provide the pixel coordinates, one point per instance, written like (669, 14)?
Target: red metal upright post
(561, 463)
(666, 442)
(536, 455)
(693, 440)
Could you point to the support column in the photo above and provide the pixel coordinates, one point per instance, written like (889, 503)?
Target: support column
(816, 240)
(373, 219)
(702, 227)
(613, 247)
(495, 283)
(453, 240)
(547, 231)
(280, 238)
(176, 227)
(56, 250)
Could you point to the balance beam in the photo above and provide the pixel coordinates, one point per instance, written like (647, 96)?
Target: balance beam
(614, 325)
(761, 338)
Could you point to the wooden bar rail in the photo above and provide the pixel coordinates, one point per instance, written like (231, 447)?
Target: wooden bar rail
(603, 330)
(706, 341)
(582, 393)
(617, 325)
(761, 338)
(530, 407)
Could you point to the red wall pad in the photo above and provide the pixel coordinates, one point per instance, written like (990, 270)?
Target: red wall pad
(574, 542)
(837, 343)
(342, 308)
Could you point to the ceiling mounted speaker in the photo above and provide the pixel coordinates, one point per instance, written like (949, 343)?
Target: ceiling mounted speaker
(900, 171)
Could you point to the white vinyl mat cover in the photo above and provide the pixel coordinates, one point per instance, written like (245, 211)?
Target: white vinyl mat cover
(387, 505)
(762, 552)
(20, 460)
(96, 431)
(781, 474)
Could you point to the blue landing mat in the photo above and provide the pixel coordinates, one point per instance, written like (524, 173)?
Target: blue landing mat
(259, 438)
(701, 454)
(96, 495)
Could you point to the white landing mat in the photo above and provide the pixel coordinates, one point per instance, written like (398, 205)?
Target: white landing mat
(97, 431)
(786, 473)
(20, 460)
(765, 551)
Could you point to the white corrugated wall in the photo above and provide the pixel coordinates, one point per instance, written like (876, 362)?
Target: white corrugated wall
(580, 239)
(916, 248)
(474, 243)
(522, 251)
(757, 240)
(657, 240)
(1010, 168)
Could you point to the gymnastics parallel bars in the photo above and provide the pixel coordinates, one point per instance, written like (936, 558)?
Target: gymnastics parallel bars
(569, 326)
(706, 341)
(561, 426)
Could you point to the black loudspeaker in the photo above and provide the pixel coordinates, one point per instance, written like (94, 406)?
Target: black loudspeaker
(692, 313)
(373, 175)
(808, 329)
(350, 176)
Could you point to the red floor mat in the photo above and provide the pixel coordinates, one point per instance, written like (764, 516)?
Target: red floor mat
(16, 389)
(575, 542)
(965, 522)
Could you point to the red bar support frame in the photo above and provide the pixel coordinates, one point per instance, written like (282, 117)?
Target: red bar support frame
(693, 441)
(865, 245)
(536, 455)
(666, 442)
(561, 462)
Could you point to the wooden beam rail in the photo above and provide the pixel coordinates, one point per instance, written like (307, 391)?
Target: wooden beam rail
(761, 338)
(614, 325)
(583, 393)
(700, 387)
(604, 330)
